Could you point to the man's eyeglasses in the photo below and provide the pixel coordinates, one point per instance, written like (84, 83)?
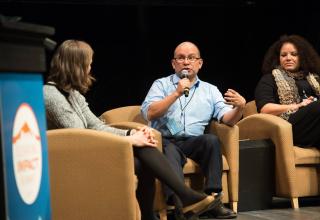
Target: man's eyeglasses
(190, 59)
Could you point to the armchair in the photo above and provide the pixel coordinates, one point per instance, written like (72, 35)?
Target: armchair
(159, 201)
(297, 171)
(230, 148)
(91, 175)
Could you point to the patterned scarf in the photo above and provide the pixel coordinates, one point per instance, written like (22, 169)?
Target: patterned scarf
(287, 88)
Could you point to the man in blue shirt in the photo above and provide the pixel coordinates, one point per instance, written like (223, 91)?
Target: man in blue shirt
(180, 106)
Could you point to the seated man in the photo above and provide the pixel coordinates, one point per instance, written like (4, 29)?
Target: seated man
(180, 106)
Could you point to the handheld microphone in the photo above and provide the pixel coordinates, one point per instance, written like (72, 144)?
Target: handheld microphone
(185, 74)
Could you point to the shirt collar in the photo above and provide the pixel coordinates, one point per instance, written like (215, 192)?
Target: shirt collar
(175, 79)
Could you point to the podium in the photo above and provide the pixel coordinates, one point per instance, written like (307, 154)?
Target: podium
(24, 172)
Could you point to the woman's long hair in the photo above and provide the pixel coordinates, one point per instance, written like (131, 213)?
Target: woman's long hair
(69, 66)
(308, 56)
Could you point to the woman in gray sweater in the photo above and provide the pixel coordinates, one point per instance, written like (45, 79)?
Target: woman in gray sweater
(66, 107)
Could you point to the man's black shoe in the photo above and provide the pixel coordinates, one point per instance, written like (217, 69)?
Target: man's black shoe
(219, 212)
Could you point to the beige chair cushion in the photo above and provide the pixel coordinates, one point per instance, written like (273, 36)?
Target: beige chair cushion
(306, 155)
(124, 114)
(193, 167)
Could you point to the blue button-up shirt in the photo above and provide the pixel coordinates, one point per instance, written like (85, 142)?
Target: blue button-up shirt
(205, 102)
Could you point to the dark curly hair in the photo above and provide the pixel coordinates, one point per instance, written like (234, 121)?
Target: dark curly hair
(308, 56)
(69, 66)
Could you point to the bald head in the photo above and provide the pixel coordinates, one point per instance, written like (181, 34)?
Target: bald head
(187, 45)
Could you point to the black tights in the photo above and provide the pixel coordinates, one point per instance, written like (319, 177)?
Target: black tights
(150, 163)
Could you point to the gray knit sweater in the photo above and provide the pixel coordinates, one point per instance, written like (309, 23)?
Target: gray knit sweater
(72, 112)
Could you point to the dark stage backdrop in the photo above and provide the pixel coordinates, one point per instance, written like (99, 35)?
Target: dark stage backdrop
(134, 40)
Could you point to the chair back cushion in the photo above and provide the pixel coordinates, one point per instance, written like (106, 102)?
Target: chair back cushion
(127, 113)
(250, 109)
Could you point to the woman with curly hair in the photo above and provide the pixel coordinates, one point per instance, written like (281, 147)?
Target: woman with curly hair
(69, 78)
(290, 87)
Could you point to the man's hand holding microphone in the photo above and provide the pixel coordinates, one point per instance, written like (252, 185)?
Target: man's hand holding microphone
(184, 84)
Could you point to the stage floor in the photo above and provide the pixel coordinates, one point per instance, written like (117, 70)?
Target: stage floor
(309, 210)
(304, 213)
(281, 210)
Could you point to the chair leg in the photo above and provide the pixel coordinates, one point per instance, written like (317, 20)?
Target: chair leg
(163, 214)
(295, 203)
(234, 206)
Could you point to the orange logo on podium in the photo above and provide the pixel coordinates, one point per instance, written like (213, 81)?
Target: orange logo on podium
(27, 153)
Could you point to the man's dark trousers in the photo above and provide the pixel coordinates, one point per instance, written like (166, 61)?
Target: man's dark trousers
(205, 150)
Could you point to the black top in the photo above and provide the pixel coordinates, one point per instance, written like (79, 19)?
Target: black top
(266, 90)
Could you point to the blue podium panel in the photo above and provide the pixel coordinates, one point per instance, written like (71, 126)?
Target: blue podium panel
(24, 147)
